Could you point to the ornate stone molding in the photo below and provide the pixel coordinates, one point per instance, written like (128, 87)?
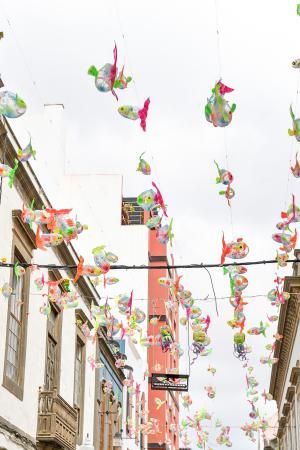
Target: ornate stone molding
(287, 326)
(286, 409)
(295, 375)
(290, 394)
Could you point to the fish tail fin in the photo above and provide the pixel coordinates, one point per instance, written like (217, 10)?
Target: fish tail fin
(79, 269)
(12, 174)
(143, 113)
(224, 250)
(33, 153)
(208, 109)
(294, 239)
(93, 71)
(38, 239)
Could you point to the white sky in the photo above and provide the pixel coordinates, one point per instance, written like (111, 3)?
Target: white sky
(170, 49)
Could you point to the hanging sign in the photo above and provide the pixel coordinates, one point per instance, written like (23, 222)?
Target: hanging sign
(169, 382)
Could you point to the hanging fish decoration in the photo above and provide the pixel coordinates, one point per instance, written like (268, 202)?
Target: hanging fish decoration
(9, 172)
(47, 239)
(296, 169)
(107, 79)
(25, 154)
(235, 250)
(11, 105)
(217, 110)
(143, 166)
(135, 113)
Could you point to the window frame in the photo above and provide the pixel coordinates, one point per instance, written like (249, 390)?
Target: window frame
(54, 275)
(22, 252)
(79, 337)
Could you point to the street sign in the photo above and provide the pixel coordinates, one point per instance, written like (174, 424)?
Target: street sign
(169, 382)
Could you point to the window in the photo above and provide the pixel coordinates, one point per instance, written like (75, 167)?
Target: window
(79, 376)
(17, 318)
(54, 323)
(132, 213)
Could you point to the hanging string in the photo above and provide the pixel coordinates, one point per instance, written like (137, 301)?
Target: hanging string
(293, 144)
(200, 299)
(21, 52)
(218, 39)
(145, 267)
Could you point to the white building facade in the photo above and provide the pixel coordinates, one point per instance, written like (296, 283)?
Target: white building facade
(51, 395)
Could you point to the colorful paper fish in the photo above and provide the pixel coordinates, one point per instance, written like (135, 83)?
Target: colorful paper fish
(143, 166)
(296, 126)
(47, 239)
(282, 259)
(45, 216)
(6, 290)
(106, 76)
(135, 113)
(296, 64)
(25, 154)
(292, 214)
(153, 222)
(287, 240)
(11, 105)
(217, 110)
(234, 250)
(211, 391)
(255, 331)
(225, 177)
(164, 234)
(86, 270)
(296, 169)
(146, 200)
(9, 172)
(67, 227)
(272, 318)
(268, 360)
(211, 370)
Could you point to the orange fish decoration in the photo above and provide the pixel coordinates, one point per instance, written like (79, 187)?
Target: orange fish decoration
(235, 250)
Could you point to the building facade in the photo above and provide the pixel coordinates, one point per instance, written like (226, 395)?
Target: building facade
(167, 435)
(285, 377)
(52, 395)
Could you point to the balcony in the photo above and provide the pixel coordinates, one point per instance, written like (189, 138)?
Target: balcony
(57, 421)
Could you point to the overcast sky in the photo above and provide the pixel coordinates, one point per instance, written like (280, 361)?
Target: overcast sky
(170, 49)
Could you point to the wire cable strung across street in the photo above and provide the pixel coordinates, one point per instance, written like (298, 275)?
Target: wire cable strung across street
(146, 267)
